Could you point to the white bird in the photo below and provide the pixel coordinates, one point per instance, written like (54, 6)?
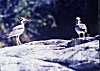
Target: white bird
(80, 28)
(18, 30)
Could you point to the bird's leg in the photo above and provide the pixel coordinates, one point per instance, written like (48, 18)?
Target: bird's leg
(79, 35)
(84, 35)
(19, 40)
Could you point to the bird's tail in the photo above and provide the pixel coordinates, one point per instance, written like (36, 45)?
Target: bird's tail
(8, 36)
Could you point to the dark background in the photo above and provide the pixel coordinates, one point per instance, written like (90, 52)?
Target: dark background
(63, 12)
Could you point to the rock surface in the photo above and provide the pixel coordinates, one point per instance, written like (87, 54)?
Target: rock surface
(52, 55)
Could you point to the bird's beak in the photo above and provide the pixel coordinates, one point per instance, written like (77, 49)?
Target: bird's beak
(24, 19)
(28, 20)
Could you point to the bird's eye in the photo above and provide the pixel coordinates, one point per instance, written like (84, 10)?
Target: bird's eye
(24, 21)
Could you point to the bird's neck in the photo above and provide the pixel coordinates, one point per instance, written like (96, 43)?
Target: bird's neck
(22, 22)
(78, 22)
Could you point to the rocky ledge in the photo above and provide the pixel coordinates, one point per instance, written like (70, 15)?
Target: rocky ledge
(52, 55)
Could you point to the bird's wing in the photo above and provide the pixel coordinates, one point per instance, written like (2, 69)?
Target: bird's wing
(17, 27)
(84, 27)
(16, 31)
(81, 27)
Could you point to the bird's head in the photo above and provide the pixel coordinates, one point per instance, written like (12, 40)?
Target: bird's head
(24, 19)
(78, 19)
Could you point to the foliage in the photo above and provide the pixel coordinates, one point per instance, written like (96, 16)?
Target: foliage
(43, 14)
(11, 11)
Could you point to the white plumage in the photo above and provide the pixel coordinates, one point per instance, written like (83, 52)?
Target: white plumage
(18, 30)
(80, 28)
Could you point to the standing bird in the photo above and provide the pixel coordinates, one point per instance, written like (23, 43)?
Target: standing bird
(18, 30)
(80, 28)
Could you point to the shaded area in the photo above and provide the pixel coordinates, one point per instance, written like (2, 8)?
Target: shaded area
(59, 26)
